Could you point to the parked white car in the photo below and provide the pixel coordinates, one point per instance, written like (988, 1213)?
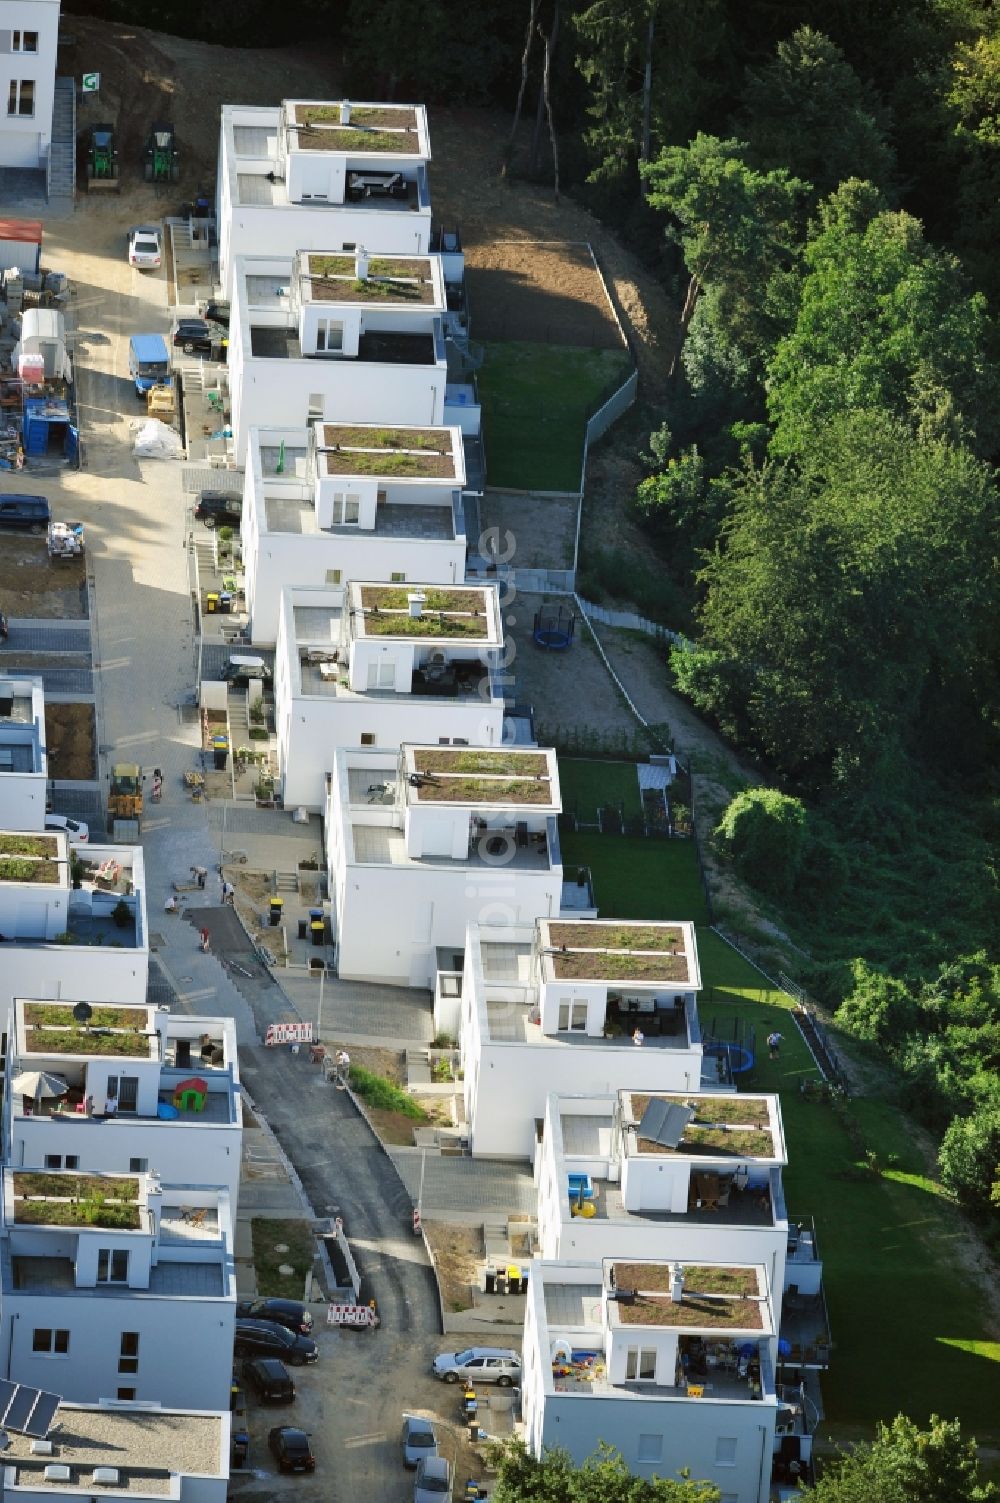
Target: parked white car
(145, 247)
(78, 832)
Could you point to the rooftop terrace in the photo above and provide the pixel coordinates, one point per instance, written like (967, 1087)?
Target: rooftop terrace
(393, 519)
(378, 347)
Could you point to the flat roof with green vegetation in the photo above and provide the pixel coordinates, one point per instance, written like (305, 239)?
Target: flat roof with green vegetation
(888, 1233)
(445, 613)
(50, 1028)
(713, 1297)
(421, 453)
(402, 116)
(458, 759)
(729, 1125)
(29, 858)
(81, 1200)
(536, 399)
(392, 279)
(460, 790)
(616, 952)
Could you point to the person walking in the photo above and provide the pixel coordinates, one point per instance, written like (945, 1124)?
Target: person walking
(228, 891)
(206, 941)
(199, 873)
(774, 1044)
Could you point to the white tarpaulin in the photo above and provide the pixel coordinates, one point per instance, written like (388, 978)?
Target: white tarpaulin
(155, 440)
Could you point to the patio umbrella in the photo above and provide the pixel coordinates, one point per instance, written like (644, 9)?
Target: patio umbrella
(37, 1083)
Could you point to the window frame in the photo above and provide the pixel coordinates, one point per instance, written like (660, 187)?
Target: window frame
(637, 1359)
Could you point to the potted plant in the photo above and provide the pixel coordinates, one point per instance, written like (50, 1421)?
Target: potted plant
(121, 914)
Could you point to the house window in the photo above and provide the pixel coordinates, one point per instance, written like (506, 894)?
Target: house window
(138, 1166)
(650, 1448)
(21, 98)
(124, 1089)
(53, 1161)
(72, 1161)
(382, 675)
(572, 1017)
(346, 510)
(316, 406)
(128, 1360)
(725, 1450)
(112, 1266)
(126, 1393)
(24, 41)
(367, 738)
(55, 1343)
(397, 578)
(334, 576)
(640, 1364)
(329, 337)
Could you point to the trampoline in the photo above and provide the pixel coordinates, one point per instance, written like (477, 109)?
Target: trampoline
(739, 1058)
(554, 628)
(735, 1042)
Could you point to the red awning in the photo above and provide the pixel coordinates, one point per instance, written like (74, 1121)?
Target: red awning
(28, 230)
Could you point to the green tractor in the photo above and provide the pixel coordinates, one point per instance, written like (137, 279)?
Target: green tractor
(102, 158)
(161, 162)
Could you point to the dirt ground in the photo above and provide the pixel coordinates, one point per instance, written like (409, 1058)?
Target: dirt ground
(32, 584)
(457, 1252)
(71, 742)
(549, 293)
(543, 527)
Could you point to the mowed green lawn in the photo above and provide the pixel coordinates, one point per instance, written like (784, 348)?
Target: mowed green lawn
(536, 400)
(587, 786)
(905, 1318)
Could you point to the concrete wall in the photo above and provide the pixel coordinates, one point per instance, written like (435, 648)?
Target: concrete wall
(176, 1151)
(72, 973)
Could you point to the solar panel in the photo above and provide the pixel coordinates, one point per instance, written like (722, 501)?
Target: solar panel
(7, 1392)
(21, 1405)
(43, 1414)
(664, 1122)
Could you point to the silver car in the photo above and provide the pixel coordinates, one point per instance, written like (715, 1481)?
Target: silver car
(432, 1483)
(419, 1440)
(479, 1364)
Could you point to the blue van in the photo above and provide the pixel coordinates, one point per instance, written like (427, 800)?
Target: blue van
(148, 362)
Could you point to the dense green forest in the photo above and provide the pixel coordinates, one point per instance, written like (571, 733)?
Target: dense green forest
(817, 186)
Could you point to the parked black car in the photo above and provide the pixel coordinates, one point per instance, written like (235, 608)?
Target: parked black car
(195, 336)
(26, 513)
(219, 509)
(284, 1312)
(262, 1338)
(268, 1379)
(291, 1449)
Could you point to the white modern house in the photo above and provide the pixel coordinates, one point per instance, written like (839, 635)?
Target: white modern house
(29, 38)
(352, 337)
(562, 1002)
(23, 758)
(608, 1188)
(313, 175)
(670, 1362)
(142, 1451)
(335, 501)
(73, 924)
(425, 840)
(377, 665)
(117, 1286)
(174, 1079)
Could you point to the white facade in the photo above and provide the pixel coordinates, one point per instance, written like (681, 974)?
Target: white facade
(143, 1445)
(100, 957)
(147, 1132)
(593, 1375)
(24, 765)
(29, 37)
(603, 1191)
(300, 494)
(143, 1310)
(362, 344)
(290, 181)
(528, 1029)
(336, 684)
(407, 876)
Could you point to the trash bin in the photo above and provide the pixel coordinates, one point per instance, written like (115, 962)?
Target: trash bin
(501, 1283)
(225, 603)
(211, 604)
(303, 928)
(220, 756)
(317, 930)
(490, 1285)
(275, 909)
